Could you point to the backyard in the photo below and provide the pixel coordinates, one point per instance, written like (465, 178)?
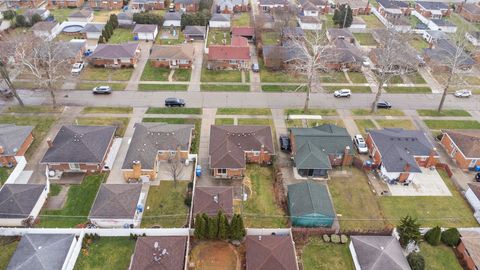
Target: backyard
(120, 122)
(8, 245)
(4, 174)
(196, 122)
(218, 37)
(241, 19)
(365, 39)
(107, 253)
(439, 257)
(121, 35)
(270, 38)
(61, 14)
(319, 255)
(226, 256)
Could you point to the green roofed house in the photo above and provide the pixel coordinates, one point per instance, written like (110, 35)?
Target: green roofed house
(316, 150)
(310, 205)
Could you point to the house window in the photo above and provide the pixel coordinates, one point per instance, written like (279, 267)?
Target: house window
(221, 171)
(74, 166)
(256, 153)
(233, 62)
(183, 62)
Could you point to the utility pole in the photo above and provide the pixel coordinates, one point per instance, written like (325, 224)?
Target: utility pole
(345, 17)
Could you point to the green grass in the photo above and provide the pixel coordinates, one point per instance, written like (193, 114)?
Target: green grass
(323, 112)
(61, 14)
(173, 110)
(120, 122)
(270, 38)
(284, 88)
(415, 89)
(221, 75)
(103, 15)
(405, 124)
(372, 21)
(357, 77)
(182, 75)
(55, 189)
(444, 211)
(241, 19)
(25, 84)
(196, 122)
(163, 87)
(34, 109)
(416, 78)
(255, 121)
(121, 35)
(315, 122)
(439, 257)
(244, 111)
(260, 210)
(4, 174)
(294, 123)
(42, 126)
(80, 199)
(365, 39)
(452, 124)
(269, 76)
(166, 200)
(462, 24)
(364, 124)
(225, 87)
(7, 252)
(443, 113)
(112, 110)
(173, 41)
(396, 79)
(354, 89)
(107, 253)
(333, 77)
(392, 112)
(91, 85)
(318, 255)
(418, 43)
(224, 121)
(151, 73)
(215, 37)
(106, 74)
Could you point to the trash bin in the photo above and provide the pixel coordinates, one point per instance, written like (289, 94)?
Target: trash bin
(198, 170)
(477, 168)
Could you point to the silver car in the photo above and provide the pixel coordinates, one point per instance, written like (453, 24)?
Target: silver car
(464, 93)
(102, 90)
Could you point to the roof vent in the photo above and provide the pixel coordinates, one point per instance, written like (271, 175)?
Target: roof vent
(215, 198)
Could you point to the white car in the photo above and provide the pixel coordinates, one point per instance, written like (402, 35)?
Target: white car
(102, 90)
(77, 68)
(342, 93)
(360, 144)
(464, 93)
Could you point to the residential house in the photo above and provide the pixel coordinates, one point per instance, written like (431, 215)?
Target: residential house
(310, 205)
(359, 7)
(46, 30)
(377, 253)
(314, 7)
(344, 55)
(42, 12)
(439, 57)
(20, 204)
(211, 200)
(153, 143)
(233, 56)
(433, 10)
(442, 25)
(115, 55)
(118, 206)
(220, 21)
(400, 153)
(83, 15)
(402, 63)
(470, 11)
(270, 252)
(187, 5)
(14, 141)
(24, 3)
(159, 252)
(340, 33)
(73, 50)
(65, 3)
(267, 5)
(393, 9)
(468, 250)
(125, 19)
(148, 4)
(265, 21)
(463, 146)
(145, 32)
(172, 56)
(432, 36)
(473, 197)
(45, 251)
(232, 147)
(106, 4)
(244, 31)
(309, 23)
(195, 32)
(172, 19)
(316, 150)
(280, 57)
(232, 6)
(93, 30)
(79, 148)
(291, 33)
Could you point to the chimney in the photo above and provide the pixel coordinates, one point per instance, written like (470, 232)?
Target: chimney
(1, 150)
(50, 143)
(404, 175)
(431, 159)
(262, 154)
(137, 169)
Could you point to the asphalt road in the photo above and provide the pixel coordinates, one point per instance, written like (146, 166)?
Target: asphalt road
(247, 99)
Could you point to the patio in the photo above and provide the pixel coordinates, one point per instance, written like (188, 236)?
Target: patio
(427, 183)
(165, 172)
(169, 33)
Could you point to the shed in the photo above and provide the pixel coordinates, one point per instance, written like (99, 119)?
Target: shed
(145, 31)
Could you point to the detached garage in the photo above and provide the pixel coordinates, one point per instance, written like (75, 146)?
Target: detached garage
(145, 32)
(309, 205)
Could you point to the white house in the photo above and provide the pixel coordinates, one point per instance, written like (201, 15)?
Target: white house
(47, 30)
(432, 36)
(309, 9)
(442, 25)
(93, 30)
(172, 19)
(21, 202)
(145, 31)
(220, 21)
(309, 23)
(473, 197)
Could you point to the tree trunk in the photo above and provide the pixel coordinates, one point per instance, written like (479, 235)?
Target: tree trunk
(377, 98)
(445, 92)
(54, 100)
(307, 97)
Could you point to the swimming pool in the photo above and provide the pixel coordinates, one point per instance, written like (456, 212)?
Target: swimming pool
(72, 28)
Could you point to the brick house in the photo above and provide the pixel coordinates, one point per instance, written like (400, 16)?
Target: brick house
(463, 146)
(172, 56)
(106, 4)
(115, 55)
(232, 6)
(244, 31)
(343, 55)
(317, 150)
(14, 141)
(79, 148)
(267, 5)
(468, 250)
(24, 3)
(433, 10)
(73, 50)
(470, 11)
(232, 147)
(393, 9)
(148, 4)
(233, 56)
(187, 5)
(65, 3)
(153, 143)
(400, 153)
(439, 56)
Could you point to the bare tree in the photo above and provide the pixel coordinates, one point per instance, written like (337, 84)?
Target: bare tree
(176, 165)
(45, 61)
(285, 16)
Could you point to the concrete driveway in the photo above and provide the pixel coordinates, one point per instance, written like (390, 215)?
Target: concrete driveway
(137, 72)
(197, 66)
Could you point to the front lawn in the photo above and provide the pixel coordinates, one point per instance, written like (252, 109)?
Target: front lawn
(165, 206)
(174, 41)
(218, 37)
(405, 124)
(107, 253)
(196, 122)
(452, 124)
(270, 38)
(91, 85)
(256, 121)
(121, 35)
(323, 112)
(443, 113)
(151, 73)
(182, 75)
(357, 77)
(364, 124)
(244, 111)
(315, 122)
(8, 247)
(224, 121)
(403, 89)
(269, 76)
(80, 199)
(221, 75)
(333, 77)
(354, 89)
(120, 122)
(391, 112)
(241, 19)
(162, 87)
(4, 174)
(34, 109)
(439, 257)
(416, 78)
(284, 88)
(318, 255)
(106, 74)
(111, 110)
(365, 39)
(260, 210)
(225, 87)
(173, 110)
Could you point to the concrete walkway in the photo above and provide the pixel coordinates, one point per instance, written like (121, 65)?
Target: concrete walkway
(255, 83)
(432, 83)
(197, 67)
(350, 125)
(138, 70)
(208, 119)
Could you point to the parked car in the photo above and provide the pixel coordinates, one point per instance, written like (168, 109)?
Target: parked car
(384, 105)
(171, 7)
(342, 93)
(102, 90)
(255, 68)
(77, 68)
(284, 143)
(477, 177)
(360, 144)
(464, 93)
(174, 102)
(6, 93)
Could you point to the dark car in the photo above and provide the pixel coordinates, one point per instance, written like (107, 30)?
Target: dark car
(477, 177)
(174, 102)
(6, 93)
(284, 143)
(384, 105)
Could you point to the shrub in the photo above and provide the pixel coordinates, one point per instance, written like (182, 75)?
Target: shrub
(416, 261)
(188, 201)
(450, 237)
(433, 236)
(9, 14)
(199, 232)
(408, 230)
(335, 238)
(326, 238)
(343, 239)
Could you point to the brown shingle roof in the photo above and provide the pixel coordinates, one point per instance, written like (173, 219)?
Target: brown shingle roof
(468, 141)
(229, 143)
(177, 52)
(270, 252)
(146, 257)
(210, 200)
(116, 201)
(472, 244)
(115, 51)
(44, 26)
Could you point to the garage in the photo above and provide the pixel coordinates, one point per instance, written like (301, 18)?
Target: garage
(145, 31)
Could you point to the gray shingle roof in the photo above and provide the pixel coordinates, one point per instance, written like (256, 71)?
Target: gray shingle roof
(433, 5)
(12, 137)
(468, 141)
(93, 28)
(309, 198)
(218, 17)
(69, 49)
(399, 146)
(144, 28)
(379, 253)
(272, 2)
(115, 51)
(84, 13)
(270, 252)
(116, 201)
(392, 4)
(442, 22)
(444, 51)
(18, 200)
(194, 30)
(145, 250)
(41, 252)
(172, 16)
(149, 138)
(80, 144)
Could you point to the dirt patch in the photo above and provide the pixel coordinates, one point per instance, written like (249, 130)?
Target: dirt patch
(215, 255)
